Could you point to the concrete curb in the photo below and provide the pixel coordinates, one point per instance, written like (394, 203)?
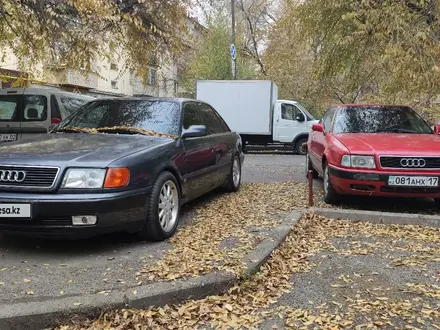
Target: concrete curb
(43, 313)
(386, 218)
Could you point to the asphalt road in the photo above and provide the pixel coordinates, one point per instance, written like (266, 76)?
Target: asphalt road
(36, 269)
(373, 282)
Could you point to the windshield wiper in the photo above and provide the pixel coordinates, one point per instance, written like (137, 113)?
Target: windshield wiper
(397, 130)
(132, 130)
(71, 129)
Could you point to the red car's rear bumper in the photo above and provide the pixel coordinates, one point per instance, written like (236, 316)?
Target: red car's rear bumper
(375, 183)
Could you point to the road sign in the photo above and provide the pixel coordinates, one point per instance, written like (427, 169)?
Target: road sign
(233, 52)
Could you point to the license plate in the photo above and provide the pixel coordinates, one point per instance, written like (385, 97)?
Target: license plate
(8, 137)
(413, 181)
(15, 210)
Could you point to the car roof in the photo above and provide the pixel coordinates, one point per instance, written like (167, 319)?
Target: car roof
(359, 105)
(149, 98)
(38, 90)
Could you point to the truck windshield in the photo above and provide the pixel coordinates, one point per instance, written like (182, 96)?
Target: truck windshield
(308, 114)
(380, 119)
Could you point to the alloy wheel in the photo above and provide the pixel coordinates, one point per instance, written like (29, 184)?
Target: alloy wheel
(168, 206)
(236, 172)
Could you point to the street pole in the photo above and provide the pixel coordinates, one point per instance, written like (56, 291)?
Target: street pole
(234, 60)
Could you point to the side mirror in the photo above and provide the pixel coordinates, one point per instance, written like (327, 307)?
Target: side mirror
(300, 117)
(195, 131)
(437, 129)
(318, 128)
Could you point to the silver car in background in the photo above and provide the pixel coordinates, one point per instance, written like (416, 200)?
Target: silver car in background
(25, 112)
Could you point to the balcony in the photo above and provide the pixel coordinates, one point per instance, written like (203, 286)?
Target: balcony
(73, 78)
(78, 78)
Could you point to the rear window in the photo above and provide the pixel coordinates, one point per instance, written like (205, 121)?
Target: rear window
(71, 104)
(35, 108)
(9, 108)
(14, 108)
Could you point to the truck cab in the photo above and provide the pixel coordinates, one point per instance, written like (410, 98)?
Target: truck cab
(292, 124)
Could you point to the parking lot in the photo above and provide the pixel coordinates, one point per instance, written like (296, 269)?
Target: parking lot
(327, 275)
(34, 269)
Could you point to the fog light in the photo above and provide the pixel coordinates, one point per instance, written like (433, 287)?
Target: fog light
(84, 220)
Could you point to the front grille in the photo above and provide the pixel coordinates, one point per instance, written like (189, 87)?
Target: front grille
(38, 177)
(395, 162)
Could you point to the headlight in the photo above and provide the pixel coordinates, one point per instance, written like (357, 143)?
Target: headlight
(358, 161)
(84, 178)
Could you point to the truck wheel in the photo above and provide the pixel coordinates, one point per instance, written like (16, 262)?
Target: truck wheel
(301, 146)
(163, 212)
(330, 195)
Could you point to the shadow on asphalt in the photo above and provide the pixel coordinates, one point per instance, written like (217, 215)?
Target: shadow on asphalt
(96, 244)
(400, 205)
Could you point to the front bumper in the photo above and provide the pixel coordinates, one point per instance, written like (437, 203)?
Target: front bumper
(375, 183)
(51, 214)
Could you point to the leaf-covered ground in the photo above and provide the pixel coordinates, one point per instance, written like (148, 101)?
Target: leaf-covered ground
(226, 229)
(327, 275)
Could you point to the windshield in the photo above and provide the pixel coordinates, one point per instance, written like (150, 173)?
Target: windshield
(125, 116)
(380, 119)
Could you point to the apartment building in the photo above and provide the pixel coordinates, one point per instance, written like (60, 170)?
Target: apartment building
(112, 78)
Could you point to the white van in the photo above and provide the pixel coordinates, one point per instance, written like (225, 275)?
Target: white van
(28, 111)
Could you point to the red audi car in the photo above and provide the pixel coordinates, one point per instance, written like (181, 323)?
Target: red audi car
(375, 150)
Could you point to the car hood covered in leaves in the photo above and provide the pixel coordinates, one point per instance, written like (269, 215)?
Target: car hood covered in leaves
(391, 143)
(76, 149)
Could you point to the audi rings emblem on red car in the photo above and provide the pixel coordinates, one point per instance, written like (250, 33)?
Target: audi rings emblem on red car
(413, 162)
(12, 176)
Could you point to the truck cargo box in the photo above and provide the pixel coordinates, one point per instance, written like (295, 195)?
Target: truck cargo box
(246, 105)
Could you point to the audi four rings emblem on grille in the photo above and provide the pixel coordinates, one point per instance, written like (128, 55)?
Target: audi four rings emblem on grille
(12, 176)
(413, 162)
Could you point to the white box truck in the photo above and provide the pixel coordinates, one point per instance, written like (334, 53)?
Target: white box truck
(252, 108)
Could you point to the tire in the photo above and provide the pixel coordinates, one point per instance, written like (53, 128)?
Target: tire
(301, 147)
(437, 202)
(330, 195)
(309, 167)
(165, 192)
(234, 177)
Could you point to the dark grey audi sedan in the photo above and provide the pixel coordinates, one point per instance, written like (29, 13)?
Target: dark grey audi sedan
(123, 164)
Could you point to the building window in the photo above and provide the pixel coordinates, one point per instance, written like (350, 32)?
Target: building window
(114, 84)
(152, 77)
(165, 82)
(114, 67)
